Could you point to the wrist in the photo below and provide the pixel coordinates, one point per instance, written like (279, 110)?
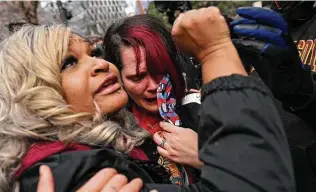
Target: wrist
(220, 61)
(197, 164)
(214, 50)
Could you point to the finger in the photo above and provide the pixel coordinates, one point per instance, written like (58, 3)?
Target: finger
(176, 25)
(261, 32)
(265, 16)
(46, 180)
(163, 152)
(241, 20)
(249, 46)
(97, 182)
(158, 139)
(115, 183)
(188, 20)
(166, 135)
(194, 91)
(134, 186)
(167, 126)
(256, 46)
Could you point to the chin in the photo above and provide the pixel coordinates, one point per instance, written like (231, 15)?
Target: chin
(152, 109)
(114, 104)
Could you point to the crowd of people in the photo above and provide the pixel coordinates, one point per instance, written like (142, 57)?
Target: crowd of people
(125, 112)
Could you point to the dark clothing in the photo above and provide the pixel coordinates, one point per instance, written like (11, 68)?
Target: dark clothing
(304, 144)
(300, 124)
(302, 141)
(304, 35)
(242, 144)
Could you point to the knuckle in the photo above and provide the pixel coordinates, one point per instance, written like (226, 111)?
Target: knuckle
(222, 19)
(175, 31)
(110, 171)
(121, 178)
(188, 23)
(214, 10)
(173, 152)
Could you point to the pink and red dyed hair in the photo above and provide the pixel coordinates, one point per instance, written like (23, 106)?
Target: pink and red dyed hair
(143, 31)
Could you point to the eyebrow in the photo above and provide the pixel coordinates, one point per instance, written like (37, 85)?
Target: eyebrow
(136, 75)
(83, 37)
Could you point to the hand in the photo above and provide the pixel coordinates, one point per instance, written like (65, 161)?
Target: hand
(204, 34)
(265, 42)
(106, 180)
(178, 144)
(200, 32)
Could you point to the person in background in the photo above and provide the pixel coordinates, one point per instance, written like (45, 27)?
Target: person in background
(263, 40)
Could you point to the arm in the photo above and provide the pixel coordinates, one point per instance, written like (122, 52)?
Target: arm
(242, 142)
(264, 41)
(243, 145)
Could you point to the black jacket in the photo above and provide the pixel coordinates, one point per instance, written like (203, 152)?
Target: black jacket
(302, 140)
(242, 144)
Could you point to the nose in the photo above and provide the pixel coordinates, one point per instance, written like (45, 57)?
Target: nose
(100, 66)
(152, 84)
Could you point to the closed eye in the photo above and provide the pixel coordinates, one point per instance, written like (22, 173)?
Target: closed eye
(68, 62)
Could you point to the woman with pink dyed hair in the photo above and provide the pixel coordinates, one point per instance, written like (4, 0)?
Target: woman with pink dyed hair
(157, 78)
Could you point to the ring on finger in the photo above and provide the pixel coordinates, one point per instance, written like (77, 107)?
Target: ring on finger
(163, 142)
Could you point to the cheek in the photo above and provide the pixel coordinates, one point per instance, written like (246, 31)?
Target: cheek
(76, 93)
(135, 89)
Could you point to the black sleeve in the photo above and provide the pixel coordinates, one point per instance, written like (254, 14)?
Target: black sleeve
(308, 113)
(243, 144)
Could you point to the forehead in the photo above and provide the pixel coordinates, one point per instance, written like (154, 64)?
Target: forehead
(78, 44)
(129, 59)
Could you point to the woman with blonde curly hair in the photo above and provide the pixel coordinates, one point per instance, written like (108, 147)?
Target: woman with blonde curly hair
(63, 106)
(44, 97)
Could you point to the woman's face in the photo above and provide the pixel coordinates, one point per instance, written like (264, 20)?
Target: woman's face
(88, 79)
(141, 87)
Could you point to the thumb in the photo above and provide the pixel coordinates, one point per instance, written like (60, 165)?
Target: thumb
(166, 126)
(46, 180)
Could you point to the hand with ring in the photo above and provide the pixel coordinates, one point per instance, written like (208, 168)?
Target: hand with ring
(162, 144)
(178, 144)
(106, 180)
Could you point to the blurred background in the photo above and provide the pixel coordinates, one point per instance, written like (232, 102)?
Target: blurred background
(93, 17)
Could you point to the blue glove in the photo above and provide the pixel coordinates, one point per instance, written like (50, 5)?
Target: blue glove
(261, 24)
(263, 41)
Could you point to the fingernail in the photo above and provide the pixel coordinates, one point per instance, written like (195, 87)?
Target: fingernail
(42, 171)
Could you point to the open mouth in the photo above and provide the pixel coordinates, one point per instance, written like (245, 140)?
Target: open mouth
(109, 85)
(151, 100)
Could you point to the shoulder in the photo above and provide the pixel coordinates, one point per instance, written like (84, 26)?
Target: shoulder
(72, 169)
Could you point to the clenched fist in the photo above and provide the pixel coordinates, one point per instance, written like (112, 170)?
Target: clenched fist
(204, 34)
(201, 32)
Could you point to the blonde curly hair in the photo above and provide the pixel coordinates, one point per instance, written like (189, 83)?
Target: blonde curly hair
(32, 106)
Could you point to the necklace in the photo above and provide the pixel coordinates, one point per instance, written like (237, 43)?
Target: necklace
(151, 126)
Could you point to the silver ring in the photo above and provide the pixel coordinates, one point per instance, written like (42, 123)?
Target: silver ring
(162, 144)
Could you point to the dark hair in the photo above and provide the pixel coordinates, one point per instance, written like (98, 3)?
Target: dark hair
(160, 51)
